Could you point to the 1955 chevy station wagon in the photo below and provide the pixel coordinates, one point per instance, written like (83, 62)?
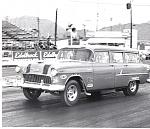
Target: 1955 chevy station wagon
(92, 70)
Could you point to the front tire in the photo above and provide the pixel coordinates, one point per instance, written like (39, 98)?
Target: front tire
(132, 89)
(71, 93)
(31, 94)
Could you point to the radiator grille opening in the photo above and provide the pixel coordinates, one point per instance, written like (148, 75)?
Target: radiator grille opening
(37, 78)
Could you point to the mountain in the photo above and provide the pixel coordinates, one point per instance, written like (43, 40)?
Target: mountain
(143, 29)
(47, 27)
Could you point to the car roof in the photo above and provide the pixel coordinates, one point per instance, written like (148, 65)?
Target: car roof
(102, 47)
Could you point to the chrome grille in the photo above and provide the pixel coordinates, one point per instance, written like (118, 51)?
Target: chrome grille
(37, 78)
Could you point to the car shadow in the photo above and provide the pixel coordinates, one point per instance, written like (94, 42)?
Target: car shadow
(56, 103)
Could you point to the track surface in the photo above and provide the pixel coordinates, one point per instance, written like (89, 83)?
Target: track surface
(112, 110)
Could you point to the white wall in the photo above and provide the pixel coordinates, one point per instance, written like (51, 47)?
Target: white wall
(62, 43)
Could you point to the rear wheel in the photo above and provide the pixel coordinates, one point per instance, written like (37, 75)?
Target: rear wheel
(131, 89)
(31, 94)
(71, 93)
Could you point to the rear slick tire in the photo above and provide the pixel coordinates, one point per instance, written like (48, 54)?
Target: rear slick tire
(31, 94)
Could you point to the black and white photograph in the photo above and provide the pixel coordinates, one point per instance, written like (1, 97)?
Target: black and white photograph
(75, 63)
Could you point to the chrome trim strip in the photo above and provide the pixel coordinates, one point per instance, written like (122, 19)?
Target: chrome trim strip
(130, 74)
(89, 85)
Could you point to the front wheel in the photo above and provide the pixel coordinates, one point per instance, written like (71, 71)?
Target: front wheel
(31, 94)
(71, 93)
(131, 89)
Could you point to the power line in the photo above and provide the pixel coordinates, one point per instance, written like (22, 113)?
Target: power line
(115, 4)
(76, 1)
(38, 28)
(141, 5)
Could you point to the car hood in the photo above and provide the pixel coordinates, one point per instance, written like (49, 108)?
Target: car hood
(44, 67)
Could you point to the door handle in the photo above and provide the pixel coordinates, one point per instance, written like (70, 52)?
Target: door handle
(126, 65)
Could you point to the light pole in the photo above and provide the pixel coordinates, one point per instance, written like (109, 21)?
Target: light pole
(129, 6)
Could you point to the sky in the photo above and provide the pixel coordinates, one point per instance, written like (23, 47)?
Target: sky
(79, 12)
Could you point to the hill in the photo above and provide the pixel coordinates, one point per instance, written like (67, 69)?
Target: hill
(47, 27)
(143, 29)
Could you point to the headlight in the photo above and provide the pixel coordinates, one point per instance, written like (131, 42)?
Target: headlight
(18, 69)
(53, 72)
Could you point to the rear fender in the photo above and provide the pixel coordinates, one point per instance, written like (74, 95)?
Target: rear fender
(137, 79)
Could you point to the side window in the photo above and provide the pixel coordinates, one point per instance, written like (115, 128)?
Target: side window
(131, 58)
(102, 57)
(117, 57)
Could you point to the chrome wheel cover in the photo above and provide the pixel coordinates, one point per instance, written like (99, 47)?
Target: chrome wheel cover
(72, 92)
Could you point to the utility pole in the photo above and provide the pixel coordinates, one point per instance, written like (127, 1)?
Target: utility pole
(84, 31)
(97, 16)
(97, 28)
(56, 27)
(131, 25)
(111, 24)
(38, 25)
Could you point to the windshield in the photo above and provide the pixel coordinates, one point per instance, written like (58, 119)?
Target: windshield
(75, 54)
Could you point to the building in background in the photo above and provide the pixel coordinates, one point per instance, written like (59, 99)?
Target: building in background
(112, 38)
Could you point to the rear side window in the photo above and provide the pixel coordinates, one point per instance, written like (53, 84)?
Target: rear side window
(131, 58)
(117, 57)
(102, 57)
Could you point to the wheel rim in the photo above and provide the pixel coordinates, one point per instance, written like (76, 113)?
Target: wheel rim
(133, 86)
(72, 92)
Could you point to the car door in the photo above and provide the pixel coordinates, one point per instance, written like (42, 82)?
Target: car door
(103, 71)
(133, 69)
(120, 71)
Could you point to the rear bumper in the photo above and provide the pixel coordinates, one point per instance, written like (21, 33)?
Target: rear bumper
(20, 83)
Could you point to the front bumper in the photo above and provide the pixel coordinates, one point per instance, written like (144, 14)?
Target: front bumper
(18, 82)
